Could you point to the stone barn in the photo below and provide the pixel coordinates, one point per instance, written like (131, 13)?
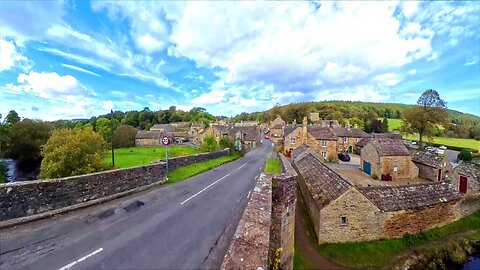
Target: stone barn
(148, 138)
(432, 166)
(342, 212)
(384, 158)
(466, 178)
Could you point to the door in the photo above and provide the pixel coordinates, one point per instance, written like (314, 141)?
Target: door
(367, 167)
(350, 149)
(463, 184)
(439, 175)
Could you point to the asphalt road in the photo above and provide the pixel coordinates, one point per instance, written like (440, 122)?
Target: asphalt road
(179, 226)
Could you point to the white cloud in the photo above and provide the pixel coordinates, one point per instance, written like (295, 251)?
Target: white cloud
(80, 69)
(108, 105)
(9, 56)
(471, 61)
(387, 79)
(210, 98)
(361, 93)
(412, 72)
(48, 84)
(409, 8)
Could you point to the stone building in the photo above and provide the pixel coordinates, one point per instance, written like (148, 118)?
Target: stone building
(314, 117)
(348, 138)
(321, 139)
(361, 143)
(384, 158)
(342, 212)
(247, 124)
(276, 129)
(328, 123)
(245, 137)
(466, 178)
(148, 138)
(218, 131)
(432, 166)
(162, 127)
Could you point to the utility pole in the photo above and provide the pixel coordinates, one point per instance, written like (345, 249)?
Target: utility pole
(113, 152)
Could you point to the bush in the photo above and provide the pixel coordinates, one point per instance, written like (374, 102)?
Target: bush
(332, 158)
(209, 144)
(465, 155)
(72, 152)
(226, 142)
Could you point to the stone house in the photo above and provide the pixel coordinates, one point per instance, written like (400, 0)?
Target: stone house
(314, 117)
(466, 178)
(328, 123)
(348, 138)
(361, 143)
(148, 138)
(162, 127)
(245, 137)
(342, 212)
(321, 139)
(432, 166)
(387, 157)
(247, 124)
(276, 129)
(217, 131)
(195, 133)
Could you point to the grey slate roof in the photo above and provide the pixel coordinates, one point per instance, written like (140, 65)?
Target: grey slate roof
(470, 169)
(350, 132)
(428, 159)
(390, 147)
(394, 198)
(290, 128)
(277, 126)
(221, 128)
(297, 151)
(389, 135)
(150, 134)
(321, 133)
(324, 184)
(250, 133)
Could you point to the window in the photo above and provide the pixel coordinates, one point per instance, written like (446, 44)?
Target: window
(324, 154)
(345, 139)
(292, 140)
(324, 143)
(343, 221)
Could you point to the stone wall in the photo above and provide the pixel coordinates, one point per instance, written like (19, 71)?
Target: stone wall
(427, 172)
(406, 169)
(147, 142)
(28, 198)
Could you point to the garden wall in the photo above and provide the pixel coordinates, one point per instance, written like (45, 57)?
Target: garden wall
(22, 199)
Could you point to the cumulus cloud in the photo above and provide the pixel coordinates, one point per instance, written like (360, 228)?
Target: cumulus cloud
(48, 84)
(412, 72)
(9, 56)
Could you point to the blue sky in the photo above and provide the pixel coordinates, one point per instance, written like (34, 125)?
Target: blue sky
(76, 59)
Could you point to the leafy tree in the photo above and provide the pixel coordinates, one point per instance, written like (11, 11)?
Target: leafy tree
(376, 125)
(209, 144)
(72, 152)
(104, 127)
(465, 155)
(226, 142)
(12, 118)
(475, 133)
(26, 139)
(354, 121)
(422, 118)
(384, 126)
(124, 136)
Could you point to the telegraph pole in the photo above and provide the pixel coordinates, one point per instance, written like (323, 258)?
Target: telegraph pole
(113, 152)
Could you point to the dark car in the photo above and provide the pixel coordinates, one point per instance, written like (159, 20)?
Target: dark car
(344, 157)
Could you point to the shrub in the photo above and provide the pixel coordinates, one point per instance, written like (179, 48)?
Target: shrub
(332, 158)
(226, 142)
(465, 155)
(209, 144)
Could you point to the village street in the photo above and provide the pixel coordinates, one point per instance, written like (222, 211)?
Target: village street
(172, 227)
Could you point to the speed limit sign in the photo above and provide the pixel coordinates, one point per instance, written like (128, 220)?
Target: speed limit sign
(165, 140)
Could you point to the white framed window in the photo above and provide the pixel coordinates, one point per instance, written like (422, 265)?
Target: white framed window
(344, 221)
(324, 143)
(292, 140)
(345, 139)
(324, 154)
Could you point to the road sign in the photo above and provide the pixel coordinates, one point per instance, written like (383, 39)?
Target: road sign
(165, 140)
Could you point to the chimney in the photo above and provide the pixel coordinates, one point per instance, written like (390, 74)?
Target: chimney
(304, 130)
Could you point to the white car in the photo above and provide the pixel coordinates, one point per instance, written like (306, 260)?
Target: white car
(442, 147)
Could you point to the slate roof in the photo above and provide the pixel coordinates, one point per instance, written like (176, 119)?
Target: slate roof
(324, 184)
(321, 133)
(297, 151)
(181, 124)
(277, 126)
(148, 134)
(427, 158)
(363, 142)
(165, 127)
(249, 133)
(389, 135)
(221, 128)
(329, 123)
(197, 126)
(469, 168)
(394, 198)
(390, 147)
(350, 132)
(290, 128)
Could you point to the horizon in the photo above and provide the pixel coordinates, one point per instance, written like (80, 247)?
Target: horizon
(82, 59)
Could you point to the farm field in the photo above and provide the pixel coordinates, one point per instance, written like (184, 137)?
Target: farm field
(455, 142)
(138, 156)
(393, 124)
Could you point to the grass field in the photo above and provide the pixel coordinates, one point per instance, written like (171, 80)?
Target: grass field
(138, 156)
(185, 172)
(393, 124)
(273, 166)
(457, 142)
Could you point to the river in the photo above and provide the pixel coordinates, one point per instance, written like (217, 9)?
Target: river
(16, 173)
(472, 264)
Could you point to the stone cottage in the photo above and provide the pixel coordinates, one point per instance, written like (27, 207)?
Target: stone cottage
(218, 131)
(432, 166)
(385, 158)
(245, 137)
(341, 212)
(276, 129)
(361, 143)
(348, 138)
(148, 138)
(466, 178)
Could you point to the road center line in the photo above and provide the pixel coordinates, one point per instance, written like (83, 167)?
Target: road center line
(244, 164)
(68, 266)
(194, 195)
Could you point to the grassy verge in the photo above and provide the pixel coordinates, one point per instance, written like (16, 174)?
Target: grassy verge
(138, 156)
(378, 254)
(273, 166)
(185, 172)
(300, 261)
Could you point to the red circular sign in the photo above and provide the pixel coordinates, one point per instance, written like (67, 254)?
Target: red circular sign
(165, 140)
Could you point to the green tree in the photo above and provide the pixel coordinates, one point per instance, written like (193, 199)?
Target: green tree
(430, 111)
(465, 155)
(104, 127)
(384, 126)
(226, 142)
(12, 118)
(26, 139)
(124, 136)
(72, 152)
(209, 144)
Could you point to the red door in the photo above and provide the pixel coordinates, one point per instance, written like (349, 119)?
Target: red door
(463, 184)
(439, 175)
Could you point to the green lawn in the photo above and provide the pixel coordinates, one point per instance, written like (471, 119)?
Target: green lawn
(185, 172)
(273, 166)
(456, 142)
(393, 124)
(379, 254)
(138, 156)
(300, 261)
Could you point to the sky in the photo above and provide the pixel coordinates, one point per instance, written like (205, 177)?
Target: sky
(77, 59)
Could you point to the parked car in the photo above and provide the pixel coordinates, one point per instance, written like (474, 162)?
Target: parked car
(414, 143)
(430, 149)
(267, 137)
(443, 147)
(344, 157)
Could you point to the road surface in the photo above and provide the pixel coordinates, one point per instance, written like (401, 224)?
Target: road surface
(173, 227)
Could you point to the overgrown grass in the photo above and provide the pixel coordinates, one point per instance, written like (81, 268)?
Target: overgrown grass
(273, 166)
(378, 254)
(138, 156)
(185, 172)
(300, 261)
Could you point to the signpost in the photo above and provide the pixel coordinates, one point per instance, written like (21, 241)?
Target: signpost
(166, 142)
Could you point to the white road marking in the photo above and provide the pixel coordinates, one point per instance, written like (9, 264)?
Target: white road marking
(195, 195)
(244, 164)
(68, 266)
(248, 195)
